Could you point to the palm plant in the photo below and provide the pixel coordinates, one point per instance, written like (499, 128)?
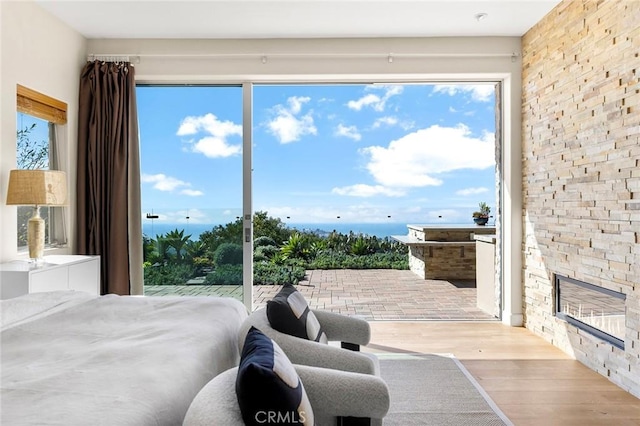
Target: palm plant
(161, 250)
(296, 247)
(177, 240)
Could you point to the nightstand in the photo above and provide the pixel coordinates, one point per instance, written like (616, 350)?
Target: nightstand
(67, 272)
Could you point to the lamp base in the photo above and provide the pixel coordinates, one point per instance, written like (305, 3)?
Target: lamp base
(35, 235)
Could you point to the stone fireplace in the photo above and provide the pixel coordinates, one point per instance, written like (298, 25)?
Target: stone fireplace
(581, 184)
(596, 310)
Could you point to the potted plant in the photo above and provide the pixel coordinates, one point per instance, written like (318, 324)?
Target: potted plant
(481, 217)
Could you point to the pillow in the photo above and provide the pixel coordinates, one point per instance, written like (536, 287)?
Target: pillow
(268, 387)
(289, 313)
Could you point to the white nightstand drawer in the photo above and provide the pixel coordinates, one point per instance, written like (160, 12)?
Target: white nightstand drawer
(80, 273)
(49, 279)
(83, 276)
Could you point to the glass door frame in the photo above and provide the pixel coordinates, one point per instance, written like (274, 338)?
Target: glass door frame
(247, 195)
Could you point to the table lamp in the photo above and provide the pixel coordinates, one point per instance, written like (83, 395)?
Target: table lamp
(36, 188)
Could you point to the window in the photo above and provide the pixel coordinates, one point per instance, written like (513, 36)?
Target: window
(38, 146)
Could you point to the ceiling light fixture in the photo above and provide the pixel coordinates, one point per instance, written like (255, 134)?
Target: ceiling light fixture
(481, 16)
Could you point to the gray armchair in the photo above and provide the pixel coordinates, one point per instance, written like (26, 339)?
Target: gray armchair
(352, 332)
(333, 394)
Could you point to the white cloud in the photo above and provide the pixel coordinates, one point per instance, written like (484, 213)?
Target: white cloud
(192, 192)
(366, 100)
(417, 158)
(392, 121)
(208, 123)
(214, 147)
(387, 121)
(362, 190)
(479, 92)
(471, 191)
(374, 101)
(216, 144)
(287, 126)
(295, 103)
(348, 132)
(165, 183)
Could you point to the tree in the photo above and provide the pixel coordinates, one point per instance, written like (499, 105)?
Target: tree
(31, 154)
(265, 226)
(229, 233)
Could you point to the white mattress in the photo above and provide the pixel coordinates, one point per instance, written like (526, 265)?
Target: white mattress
(73, 359)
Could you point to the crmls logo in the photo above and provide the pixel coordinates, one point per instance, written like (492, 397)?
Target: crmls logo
(276, 417)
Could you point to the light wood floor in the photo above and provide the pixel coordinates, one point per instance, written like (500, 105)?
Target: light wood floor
(531, 381)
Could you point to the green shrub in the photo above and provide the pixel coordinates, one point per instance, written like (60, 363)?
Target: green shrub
(259, 257)
(265, 252)
(228, 254)
(340, 260)
(225, 275)
(171, 274)
(271, 274)
(361, 247)
(263, 241)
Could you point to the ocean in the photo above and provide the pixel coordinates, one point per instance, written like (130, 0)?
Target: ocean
(380, 230)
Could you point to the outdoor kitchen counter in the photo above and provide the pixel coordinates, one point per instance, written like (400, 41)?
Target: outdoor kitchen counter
(443, 251)
(487, 287)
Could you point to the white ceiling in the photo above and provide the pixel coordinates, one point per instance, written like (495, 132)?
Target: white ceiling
(297, 18)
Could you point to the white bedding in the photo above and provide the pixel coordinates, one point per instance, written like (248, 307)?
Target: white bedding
(75, 359)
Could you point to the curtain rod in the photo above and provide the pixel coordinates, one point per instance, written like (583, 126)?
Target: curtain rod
(264, 57)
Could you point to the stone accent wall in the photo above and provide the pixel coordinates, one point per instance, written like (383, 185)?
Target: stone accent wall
(581, 171)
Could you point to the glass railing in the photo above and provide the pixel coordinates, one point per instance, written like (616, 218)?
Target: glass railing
(193, 252)
(186, 254)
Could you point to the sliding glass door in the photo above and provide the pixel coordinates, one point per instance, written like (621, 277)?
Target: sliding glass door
(254, 186)
(340, 169)
(192, 185)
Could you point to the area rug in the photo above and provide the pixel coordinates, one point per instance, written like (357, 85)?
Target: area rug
(435, 390)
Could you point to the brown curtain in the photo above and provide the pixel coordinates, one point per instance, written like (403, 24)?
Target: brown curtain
(108, 219)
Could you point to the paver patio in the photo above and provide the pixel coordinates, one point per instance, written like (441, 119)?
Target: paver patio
(373, 294)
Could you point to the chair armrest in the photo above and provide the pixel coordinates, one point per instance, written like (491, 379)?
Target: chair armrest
(307, 352)
(334, 393)
(343, 328)
(216, 403)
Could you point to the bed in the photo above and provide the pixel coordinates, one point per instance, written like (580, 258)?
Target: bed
(70, 358)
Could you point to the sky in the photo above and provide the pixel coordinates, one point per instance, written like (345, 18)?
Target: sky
(413, 153)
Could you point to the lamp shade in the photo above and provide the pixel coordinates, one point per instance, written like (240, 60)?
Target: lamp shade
(37, 187)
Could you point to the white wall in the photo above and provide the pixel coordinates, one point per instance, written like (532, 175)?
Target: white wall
(43, 54)
(361, 60)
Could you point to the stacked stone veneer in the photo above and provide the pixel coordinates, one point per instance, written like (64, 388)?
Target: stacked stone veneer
(454, 259)
(581, 171)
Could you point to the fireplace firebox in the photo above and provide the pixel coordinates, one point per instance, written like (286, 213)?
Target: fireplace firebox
(594, 309)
